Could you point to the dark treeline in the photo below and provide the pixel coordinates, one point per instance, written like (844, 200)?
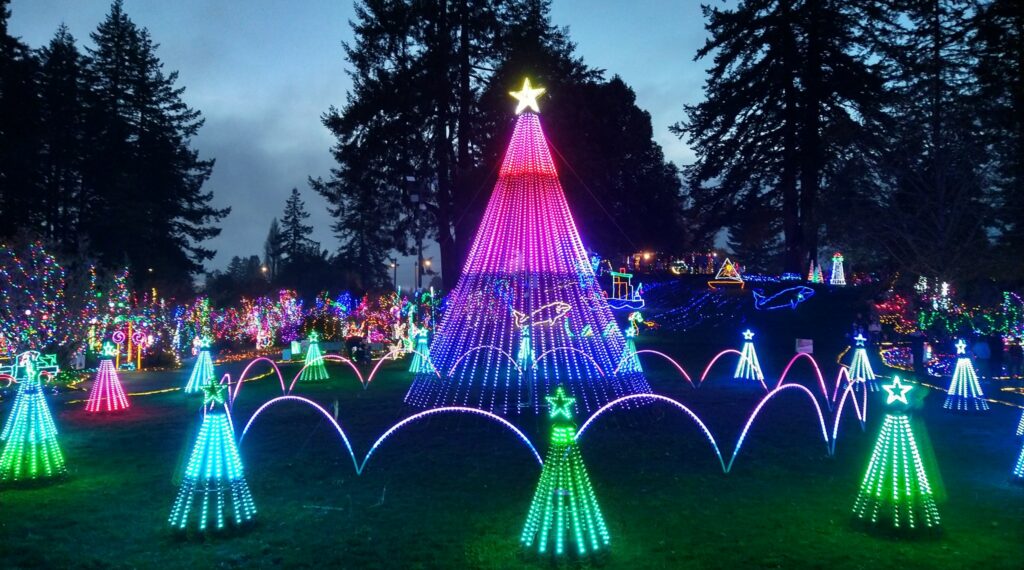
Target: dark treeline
(890, 129)
(95, 154)
(427, 121)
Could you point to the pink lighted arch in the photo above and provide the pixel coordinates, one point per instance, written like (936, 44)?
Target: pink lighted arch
(707, 368)
(817, 372)
(329, 358)
(761, 404)
(678, 366)
(241, 379)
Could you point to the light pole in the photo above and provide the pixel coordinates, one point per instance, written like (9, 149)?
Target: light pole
(394, 278)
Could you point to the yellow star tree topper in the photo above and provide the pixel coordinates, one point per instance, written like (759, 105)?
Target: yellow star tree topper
(527, 97)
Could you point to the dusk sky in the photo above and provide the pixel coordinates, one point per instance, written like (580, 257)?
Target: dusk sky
(263, 71)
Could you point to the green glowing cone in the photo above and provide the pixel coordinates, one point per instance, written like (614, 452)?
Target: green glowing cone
(895, 493)
(31, 450)
(313, 368)
(564, 517)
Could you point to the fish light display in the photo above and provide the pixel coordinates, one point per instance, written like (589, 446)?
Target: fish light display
(564, 513)
(107, 394)
(202, 373)
(31, 450)
(313, 368)
(895, 490)
(214, 494)
(504, 334)
(964, 392)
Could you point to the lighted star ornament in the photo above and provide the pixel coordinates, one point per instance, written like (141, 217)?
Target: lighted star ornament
(747, 335)
(561, 404)
(897, 391)
(213, 394)
(860, 339)
(961, 347)
(527, 97)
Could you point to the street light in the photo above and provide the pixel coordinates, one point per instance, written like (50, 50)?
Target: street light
(394, 267)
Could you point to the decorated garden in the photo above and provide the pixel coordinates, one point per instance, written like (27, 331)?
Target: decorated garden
(798, 360)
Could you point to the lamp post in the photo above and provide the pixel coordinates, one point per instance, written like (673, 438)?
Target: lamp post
(394, 268)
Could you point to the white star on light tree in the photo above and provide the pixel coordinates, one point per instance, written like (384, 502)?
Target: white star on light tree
(860, 339)
(527, 97)
(747, 335)
(895, 387)
(961, 347)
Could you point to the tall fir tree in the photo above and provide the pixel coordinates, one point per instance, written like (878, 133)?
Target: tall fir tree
(295, 234)
(18, 132)
(787, 95)
(273, 249)
(62, 93)
(150, 206)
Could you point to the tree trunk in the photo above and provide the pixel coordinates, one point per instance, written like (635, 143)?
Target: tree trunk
(442, 151)
(790, 213)
(810, 144)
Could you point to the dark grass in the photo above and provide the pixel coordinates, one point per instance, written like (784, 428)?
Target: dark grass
(453, 492)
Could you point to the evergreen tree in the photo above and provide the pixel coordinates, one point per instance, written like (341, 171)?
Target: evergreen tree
(1000, 77)
(936, 204)
(18, 132)
(62, 91)
(150, 207)
(295, 240)
(789, 93)
(273, 249)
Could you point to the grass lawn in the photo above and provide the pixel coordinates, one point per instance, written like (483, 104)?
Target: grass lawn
(453, 491)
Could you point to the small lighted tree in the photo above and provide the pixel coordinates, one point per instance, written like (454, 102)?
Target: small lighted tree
(964, 392)
(838, 276)
(31, 450)
(1020, 425)
(630, 361)
(895, 492)
(525, 356)
(313, 368)
(421, 355)
(860, 368)
(1018, 469)
(107, 394)
(564, 513)
(214, 494)
(748, 367)
(202, 372)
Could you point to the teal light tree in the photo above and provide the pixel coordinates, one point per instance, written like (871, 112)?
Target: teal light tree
(964, 392)
(421, 354)
(313, 368)
(214, 494)
(31, 450)
(202, 373)
(630, 362)
(895, 493)
(860, 367)
(1018, 469)
(564, 513)
(748, 367)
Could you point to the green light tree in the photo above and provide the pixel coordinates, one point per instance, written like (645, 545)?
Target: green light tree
(895, 491)
(564, 508)
(313, 368)
(31, 450)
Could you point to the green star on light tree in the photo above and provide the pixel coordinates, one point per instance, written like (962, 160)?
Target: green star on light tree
(31, 450)
(214, 494)
(564, 513)
(313, 368)
(895, 492)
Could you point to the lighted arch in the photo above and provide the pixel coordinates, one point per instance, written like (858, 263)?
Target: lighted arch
(360, 466)
(241, 379)
(545, 354)
(329, 358)
(389, 354)
(817, 372)
(761, 404)
(861, 413)
(663, 355)
(715, 359)
(455, 365)
(657, 397)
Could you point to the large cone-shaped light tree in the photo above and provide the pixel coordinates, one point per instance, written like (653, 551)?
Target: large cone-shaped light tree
(527, 279)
